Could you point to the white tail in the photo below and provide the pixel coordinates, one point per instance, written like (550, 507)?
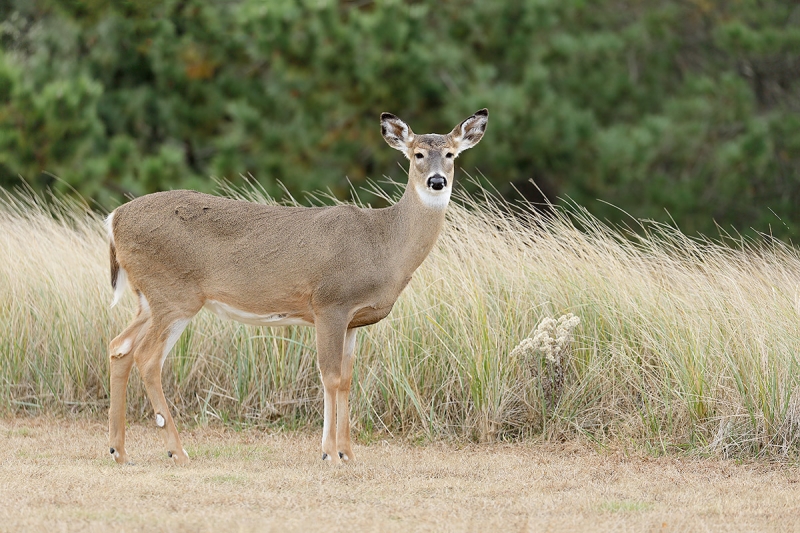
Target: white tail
(336, 268)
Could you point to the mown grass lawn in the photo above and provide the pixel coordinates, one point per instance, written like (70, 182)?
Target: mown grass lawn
(57, 475)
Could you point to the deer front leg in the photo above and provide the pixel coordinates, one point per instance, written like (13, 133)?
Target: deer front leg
(329, 449)
(330, 346)
(342, 399)
(120, 362)
(150, 358)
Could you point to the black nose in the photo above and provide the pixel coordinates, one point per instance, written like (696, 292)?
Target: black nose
(437, 182)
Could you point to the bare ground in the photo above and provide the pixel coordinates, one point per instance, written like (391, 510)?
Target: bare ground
(57, 475)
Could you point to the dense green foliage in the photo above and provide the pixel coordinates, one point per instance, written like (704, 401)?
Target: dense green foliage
(688, 109)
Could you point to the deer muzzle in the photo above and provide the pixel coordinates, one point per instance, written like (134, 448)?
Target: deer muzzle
(437, 182)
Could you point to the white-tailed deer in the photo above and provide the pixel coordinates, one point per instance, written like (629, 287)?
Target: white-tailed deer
(336, 268)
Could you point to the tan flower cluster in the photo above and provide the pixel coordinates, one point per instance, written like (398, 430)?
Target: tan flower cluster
(552, 340)
(553, 337)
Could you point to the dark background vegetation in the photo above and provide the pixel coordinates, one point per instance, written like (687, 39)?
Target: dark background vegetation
(682, 109)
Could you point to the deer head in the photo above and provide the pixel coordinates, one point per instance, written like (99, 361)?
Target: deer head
(432, 156)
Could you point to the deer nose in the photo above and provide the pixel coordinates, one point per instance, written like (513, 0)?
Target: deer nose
(437, 182)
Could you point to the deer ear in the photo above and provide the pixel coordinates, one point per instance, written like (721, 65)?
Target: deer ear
(470, 132)
(396, 132)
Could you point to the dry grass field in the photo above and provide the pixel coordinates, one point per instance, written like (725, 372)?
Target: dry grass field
(534, 335)
(57, 476)
(674, 343)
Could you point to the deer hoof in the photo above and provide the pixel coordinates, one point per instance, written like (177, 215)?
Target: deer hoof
(332, 458)
(181, 459)
(119, 455)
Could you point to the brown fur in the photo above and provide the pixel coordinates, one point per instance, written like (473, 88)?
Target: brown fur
(337, 268)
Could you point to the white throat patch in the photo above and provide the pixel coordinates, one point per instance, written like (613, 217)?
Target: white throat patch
(433, 199)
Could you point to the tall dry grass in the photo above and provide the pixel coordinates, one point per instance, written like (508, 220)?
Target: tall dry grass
(682, 342)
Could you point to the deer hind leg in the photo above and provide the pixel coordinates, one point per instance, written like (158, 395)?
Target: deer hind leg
(121, 355)
(330, 344)
(150, 355)
(342, 399)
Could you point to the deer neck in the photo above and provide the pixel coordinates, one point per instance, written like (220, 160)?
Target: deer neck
(415, 226)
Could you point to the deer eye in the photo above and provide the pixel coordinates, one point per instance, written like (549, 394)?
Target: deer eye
(449, 155)
(418, 155)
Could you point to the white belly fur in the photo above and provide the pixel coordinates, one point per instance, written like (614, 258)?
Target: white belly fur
(228, 312)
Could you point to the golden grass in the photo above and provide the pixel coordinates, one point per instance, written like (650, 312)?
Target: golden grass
(56, 476)
(682, 343)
